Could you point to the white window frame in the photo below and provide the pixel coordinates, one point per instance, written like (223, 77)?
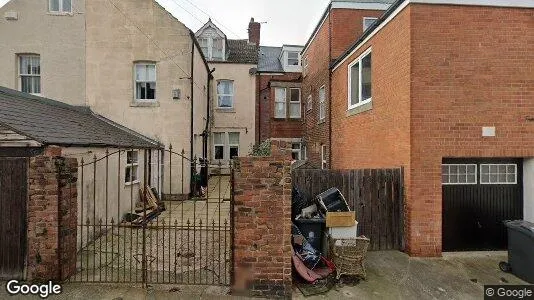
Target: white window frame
(209, 47)
(232, 94)
(131, 166)
(297, 150)
(21, 75)
(60, 10)
(322, 104)
(458, 174)
(323, 157)
(506, 174)
(366, 19)
(309, 103)
(219, 145)
(155, 82)
(298, 59)
(349, 73)
(277, 101)
(291, 102)
(230, 146)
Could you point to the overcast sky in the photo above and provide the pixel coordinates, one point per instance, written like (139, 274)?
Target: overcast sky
(287, 21)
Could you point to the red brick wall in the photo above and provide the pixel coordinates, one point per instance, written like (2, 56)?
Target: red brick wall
(52, 215)
(262, 224)
(341, 28)
(347, 27)
(440, 73)
(317, 75)
(471, 67)
(266, 126)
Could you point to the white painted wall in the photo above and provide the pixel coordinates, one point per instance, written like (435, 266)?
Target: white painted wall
(528, 189)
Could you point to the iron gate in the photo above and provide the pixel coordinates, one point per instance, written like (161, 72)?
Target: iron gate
(140, 221)
(13, 200)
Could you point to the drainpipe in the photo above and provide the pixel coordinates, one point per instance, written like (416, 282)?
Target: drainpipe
(192, 115)
(207, 129)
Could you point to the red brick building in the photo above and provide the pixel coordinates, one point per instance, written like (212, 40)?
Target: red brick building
(341, 23)
(445, 89)
(279, 107)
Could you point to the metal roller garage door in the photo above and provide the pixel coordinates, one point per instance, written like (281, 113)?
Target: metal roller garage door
(478, 195)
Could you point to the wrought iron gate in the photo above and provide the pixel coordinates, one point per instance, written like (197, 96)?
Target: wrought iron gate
(140, 220)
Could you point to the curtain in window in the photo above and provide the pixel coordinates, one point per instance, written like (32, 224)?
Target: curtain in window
(30, 71)
(54, 5)
(217, 48)
(67, 6)
(145, 77)
(294, 105)
(280, 103)
(225, 93)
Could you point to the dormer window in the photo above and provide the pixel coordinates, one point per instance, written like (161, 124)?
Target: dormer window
(212, 47)
(60, 6)
(293, 58)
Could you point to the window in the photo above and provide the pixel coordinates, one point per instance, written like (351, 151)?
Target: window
(212, 47)
(322, 103)
(294, 104)
(360, 81)
(367, 22)
(30, 74)
(233, 143)
(132, 165)
(323, 157)
(60, 6)
(218, 142)
(309, 103)
(498, 174)
(297, 151)
(145, 81)
(225, 94)
(280, 103)
(459, 174)
(292, 58)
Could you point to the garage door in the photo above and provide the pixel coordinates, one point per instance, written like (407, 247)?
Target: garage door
(478, 195)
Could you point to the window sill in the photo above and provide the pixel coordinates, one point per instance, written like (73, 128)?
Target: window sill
(225, 110)
(131, 183)
(144, 104)
(61, 14)
(360, 109)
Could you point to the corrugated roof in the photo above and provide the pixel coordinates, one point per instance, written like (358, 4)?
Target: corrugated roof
(269, 59)
(55, 123)
(243, 52)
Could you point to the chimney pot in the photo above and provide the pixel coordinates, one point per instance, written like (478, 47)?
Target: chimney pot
(254, 32)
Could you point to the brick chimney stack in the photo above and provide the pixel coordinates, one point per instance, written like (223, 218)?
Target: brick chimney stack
(254, 31)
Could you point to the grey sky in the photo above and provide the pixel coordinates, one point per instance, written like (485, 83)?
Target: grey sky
(288, 21)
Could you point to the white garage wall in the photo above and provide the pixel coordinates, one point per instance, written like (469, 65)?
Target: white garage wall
(528, 188)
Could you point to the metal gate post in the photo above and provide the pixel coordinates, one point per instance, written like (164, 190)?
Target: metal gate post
(144, 195)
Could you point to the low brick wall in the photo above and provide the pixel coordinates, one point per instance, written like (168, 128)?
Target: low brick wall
(262, 224)
(52, 217)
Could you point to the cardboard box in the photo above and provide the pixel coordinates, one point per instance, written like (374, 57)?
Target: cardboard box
(340, 219)
(344, 232)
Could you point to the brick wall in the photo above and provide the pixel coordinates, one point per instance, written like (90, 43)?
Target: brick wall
(468, 71)
(439, 75)
(52, 215)
(340, 29)
(266, 125)
(262, 224)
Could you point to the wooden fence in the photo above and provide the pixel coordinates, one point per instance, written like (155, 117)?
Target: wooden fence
(376, 195)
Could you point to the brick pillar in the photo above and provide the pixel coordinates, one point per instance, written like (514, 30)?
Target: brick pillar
(52, 215)
(262, 224)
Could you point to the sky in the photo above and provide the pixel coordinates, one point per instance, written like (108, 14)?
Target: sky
(286, 21)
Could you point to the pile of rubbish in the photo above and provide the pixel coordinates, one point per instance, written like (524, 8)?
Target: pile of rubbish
(147, 209)
(315, 222)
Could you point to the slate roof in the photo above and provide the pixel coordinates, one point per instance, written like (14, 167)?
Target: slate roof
(241, 51)
(50, 122)
(269, 60)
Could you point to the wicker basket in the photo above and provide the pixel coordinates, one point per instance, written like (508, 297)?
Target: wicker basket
(349, 256)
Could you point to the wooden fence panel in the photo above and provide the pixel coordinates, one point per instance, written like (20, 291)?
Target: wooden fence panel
(376, 195)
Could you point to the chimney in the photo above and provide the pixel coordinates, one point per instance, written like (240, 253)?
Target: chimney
(254, 30)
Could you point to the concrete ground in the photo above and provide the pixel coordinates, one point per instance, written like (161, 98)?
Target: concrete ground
(394, 275)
